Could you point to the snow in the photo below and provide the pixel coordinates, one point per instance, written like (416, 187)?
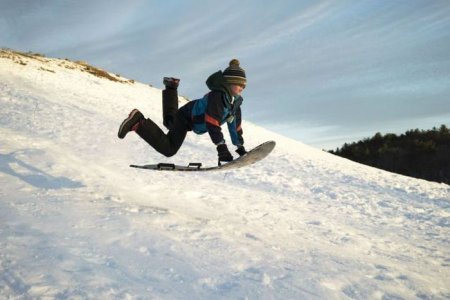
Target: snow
(77, 222)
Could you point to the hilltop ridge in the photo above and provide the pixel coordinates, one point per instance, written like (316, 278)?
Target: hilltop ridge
(24, 58)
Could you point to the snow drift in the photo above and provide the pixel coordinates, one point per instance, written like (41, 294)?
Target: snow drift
(77, 222)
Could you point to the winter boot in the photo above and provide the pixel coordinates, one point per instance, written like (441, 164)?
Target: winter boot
(131, 123)
(170, 101)
(171, 82)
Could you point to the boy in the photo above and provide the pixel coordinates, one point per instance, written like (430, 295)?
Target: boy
(221, 105)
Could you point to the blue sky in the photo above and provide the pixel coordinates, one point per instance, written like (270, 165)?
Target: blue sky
(322, 72)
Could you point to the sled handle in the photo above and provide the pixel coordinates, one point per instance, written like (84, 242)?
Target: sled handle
(164, 166)
(195, 165)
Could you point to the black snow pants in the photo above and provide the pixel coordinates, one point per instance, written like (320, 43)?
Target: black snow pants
(166, 144)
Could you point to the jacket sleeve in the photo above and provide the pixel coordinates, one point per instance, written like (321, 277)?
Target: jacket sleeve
(235, 129)
(213, 116)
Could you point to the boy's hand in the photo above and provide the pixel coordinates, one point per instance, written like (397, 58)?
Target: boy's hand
(224, 153)
(241, 150)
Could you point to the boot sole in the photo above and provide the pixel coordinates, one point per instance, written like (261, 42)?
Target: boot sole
(126, 125)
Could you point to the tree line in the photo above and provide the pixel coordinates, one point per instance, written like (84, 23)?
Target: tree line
(417, 153)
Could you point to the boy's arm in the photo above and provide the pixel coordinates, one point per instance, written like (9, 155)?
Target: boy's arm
(213, 116)
(235, 129)
(239, 126)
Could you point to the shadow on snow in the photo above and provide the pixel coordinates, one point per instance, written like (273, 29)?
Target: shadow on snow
(33, 175)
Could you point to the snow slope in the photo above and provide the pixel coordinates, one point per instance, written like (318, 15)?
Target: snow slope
(77, 222)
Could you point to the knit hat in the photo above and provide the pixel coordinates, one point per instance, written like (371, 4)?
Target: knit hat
(234, 74)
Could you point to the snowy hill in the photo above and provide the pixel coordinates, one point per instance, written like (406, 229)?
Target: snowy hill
(77, 222)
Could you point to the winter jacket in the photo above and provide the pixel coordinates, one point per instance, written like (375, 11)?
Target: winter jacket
(215, 109)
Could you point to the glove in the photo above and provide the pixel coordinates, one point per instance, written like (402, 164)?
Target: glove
(224, 154)
(241, 150)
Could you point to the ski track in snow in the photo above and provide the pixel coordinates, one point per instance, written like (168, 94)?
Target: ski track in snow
(77, 222)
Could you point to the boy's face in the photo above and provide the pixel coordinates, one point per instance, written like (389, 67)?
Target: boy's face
(236, 89)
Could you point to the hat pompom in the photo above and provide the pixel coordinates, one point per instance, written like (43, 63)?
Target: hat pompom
(234, 63)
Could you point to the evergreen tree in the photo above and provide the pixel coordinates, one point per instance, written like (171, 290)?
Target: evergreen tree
(417, 153)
